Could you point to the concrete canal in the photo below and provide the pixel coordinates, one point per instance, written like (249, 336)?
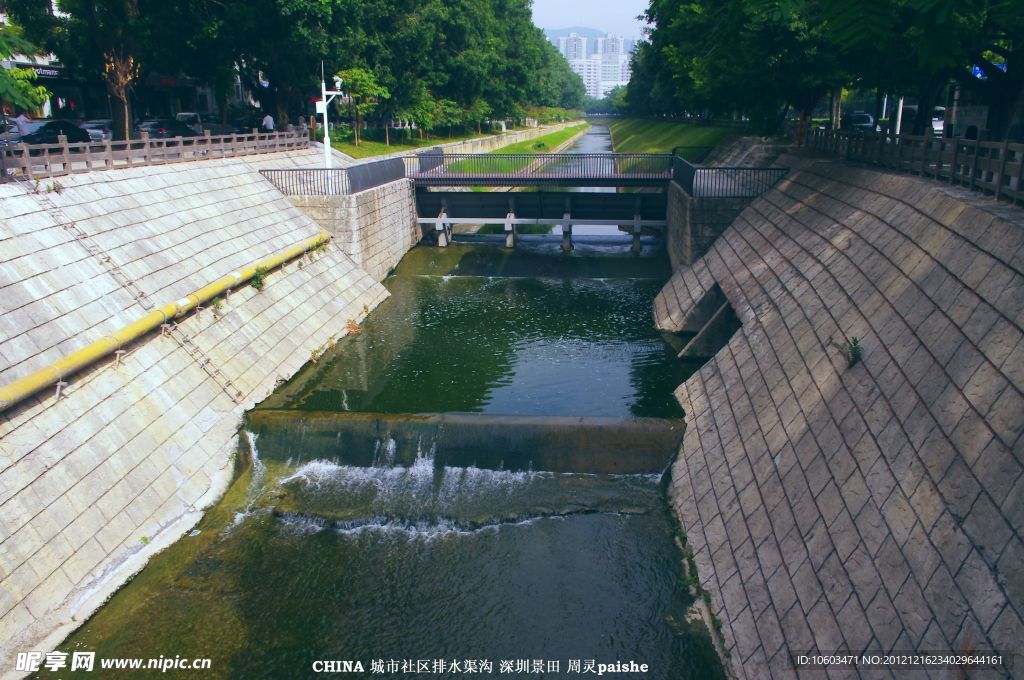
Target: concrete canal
(476, 474)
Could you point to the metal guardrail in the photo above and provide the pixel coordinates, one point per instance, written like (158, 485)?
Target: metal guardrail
(499, 169)
(716, 182)
(436, 169)
(336, 181)
(724, 182)
(993, 168)
(38, 161)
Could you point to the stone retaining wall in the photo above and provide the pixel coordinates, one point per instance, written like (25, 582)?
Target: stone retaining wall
(375, 227)
(876, 507)
(123, 464)
(693, 224)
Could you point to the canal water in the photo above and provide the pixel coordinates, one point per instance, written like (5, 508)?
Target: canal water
(381, 549)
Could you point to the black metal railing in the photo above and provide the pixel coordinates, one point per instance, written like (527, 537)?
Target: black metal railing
(336, 181)
(724, 182)
(498, 167)
(735, 182)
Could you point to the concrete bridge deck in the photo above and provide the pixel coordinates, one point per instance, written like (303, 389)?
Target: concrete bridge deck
(877, 507)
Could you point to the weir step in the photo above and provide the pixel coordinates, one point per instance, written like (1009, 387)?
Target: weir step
(500, 442)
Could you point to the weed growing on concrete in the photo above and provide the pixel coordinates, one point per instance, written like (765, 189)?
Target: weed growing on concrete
(218, 306)
(259, 278)
(854, 350)
(144, 540)
(352, 327)
(54, 188)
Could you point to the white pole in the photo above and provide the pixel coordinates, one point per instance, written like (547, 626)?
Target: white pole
(899, 116)
(327, 135)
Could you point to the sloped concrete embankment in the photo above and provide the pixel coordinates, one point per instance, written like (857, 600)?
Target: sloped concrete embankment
(873, 507)
(124, 462)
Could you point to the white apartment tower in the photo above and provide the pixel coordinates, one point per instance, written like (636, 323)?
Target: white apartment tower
(573, 46)
(602, 71)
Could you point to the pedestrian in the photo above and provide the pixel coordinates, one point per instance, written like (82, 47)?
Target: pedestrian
(268, 122)
(22, 122)
(303, 128)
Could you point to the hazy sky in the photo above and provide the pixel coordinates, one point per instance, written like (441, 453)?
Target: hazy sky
(612, 16)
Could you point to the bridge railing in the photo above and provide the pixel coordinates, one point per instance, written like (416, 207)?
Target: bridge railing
(497, 167)
(336, 181)
(724, 182)
(993, 168)
(38, 161)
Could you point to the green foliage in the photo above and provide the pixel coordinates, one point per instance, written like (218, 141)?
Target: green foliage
(854, 351)
(16, 84)
(364, 91)
(259, 278)
(762, 58)
(484, 58)
(633, 135)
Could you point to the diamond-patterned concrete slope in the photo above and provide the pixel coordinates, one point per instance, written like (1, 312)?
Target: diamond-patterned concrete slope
(137, 449)
(869, 508)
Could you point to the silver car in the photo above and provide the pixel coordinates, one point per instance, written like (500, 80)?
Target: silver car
(100, 130)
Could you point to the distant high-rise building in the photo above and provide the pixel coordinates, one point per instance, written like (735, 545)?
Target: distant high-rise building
(603, 69)
(573, 46)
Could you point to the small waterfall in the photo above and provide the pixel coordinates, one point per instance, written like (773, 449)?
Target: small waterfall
(259, 470)
(428, 499)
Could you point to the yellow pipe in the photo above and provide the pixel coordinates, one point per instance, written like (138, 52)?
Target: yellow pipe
(20, 389)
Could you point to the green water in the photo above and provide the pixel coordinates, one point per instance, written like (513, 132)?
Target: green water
(310, 556)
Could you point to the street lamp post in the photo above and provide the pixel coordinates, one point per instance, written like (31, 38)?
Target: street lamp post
(322, 108)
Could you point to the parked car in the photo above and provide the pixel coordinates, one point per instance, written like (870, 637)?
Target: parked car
(164, 128)
(49, 132)
(910, 113)
(99, 130)
(244, 126)
(199, 124)
(858, 121)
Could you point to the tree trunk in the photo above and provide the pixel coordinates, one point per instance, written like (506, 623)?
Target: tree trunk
(837, 100)
(925, 105)
(877, 115)
(356, 131)
(387, 133)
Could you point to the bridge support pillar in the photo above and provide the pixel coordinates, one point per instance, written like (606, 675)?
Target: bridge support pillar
(444, 234)
(566, 235)
(636, 234)
(511, 236)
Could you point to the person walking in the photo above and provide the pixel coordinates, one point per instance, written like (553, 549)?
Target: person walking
(268, 122)
(22, 122)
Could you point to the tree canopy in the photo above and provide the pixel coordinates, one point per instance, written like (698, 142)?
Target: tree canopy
(474, 53)
(16, 84)
(762, 57)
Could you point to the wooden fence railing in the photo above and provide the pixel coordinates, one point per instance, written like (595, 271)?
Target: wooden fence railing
(993, 168)
(40, 161)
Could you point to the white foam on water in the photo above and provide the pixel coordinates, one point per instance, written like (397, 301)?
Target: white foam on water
(428, 531)
(304, 525)
(258, 468)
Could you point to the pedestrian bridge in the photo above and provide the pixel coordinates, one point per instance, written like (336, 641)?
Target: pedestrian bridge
(442, 180)
(526, 170)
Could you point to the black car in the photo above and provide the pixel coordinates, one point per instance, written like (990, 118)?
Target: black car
(163, 128)
(47, 132)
